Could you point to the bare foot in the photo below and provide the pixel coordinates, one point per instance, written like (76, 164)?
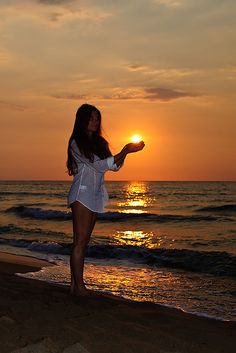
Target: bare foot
(81, 291)
(72, 288)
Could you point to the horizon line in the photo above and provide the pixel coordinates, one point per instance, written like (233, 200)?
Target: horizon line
(131, 180)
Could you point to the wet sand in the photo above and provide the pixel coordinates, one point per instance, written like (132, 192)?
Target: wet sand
(39, 317)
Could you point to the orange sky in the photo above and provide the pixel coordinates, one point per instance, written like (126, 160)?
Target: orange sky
(162, 68)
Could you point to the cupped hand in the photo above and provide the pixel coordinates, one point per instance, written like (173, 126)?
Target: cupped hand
(134, 147)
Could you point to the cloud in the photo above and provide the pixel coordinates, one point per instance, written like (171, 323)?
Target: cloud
(55, 16)
(153, 93)
(10, 105)
(171, 3)
(136, 67)
(70, 96)
(166, 94)
(5, 56)
(228, 72)
(52, 12)
(131, 93)
(55, 2)
(162, 72)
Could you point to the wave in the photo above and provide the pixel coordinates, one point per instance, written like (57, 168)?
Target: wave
(202, 193)
(217, 263)
(152, 217)
(213, 262)
(223, 208)
(39, 213)
(13, 229)
(38, 246)
(26, 193)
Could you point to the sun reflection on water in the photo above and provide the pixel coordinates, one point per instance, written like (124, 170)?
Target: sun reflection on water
(132, 210)
(189, 291)
(136, 195)
(135, 238)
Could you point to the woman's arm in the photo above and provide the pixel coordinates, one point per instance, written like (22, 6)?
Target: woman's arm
(110, 163)
(99, 165)
(129, 148)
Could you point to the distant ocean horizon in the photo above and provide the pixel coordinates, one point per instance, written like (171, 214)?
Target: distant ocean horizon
(133, 180)
(169, 242)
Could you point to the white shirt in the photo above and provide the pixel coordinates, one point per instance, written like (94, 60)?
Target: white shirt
(88, 183)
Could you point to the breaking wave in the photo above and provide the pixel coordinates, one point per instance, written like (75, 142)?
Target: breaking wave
(40, 213)
(217, 263)
(223, 208)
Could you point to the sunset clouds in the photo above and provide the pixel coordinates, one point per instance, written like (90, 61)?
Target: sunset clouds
(177, 55)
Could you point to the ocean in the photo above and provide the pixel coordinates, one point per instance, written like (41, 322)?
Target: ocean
(171, 243)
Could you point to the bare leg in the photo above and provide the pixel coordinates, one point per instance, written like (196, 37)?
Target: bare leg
(94, 217)
(83, 224)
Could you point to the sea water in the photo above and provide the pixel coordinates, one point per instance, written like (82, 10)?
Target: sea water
(171, 243)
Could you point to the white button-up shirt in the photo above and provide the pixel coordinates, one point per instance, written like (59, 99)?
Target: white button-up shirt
(88, 183)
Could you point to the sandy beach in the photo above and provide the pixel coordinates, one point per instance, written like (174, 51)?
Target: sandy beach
(40, 317)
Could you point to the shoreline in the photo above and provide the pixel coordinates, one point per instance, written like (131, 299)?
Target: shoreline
(38, 263)
(24, 263)
(41, 316)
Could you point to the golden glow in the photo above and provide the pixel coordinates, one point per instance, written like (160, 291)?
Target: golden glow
(136, 138)
(166, 101)
(135, 238)
(133, 282)
(136, 198)
(133, 210)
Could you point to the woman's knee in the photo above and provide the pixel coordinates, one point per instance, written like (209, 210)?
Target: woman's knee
(81, 241)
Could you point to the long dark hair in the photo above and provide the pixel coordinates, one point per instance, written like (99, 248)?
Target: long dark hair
(88, 146)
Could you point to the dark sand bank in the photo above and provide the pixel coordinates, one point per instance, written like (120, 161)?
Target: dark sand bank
(39, 317)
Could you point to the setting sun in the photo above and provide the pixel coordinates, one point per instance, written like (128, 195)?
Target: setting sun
(136, 138)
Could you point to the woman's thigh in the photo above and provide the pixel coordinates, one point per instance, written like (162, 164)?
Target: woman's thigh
(83, 221)
(94, 218)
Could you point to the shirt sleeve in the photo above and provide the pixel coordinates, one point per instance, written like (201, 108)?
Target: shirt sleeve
(99, 165)
(112, 164)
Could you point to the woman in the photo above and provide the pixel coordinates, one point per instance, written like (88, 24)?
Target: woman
(89, 157)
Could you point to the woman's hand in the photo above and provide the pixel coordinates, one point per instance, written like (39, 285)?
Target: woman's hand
(129, 148)
(134, 147)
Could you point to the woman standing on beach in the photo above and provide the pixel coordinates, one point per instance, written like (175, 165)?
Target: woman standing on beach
(89, 157)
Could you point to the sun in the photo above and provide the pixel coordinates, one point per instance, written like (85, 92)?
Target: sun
(136, 138)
